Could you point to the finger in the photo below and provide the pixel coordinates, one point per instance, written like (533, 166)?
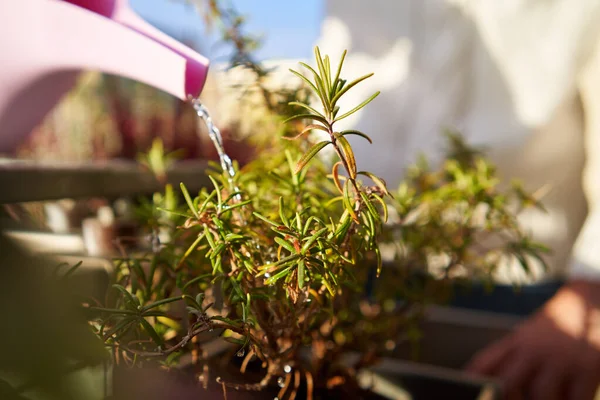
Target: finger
(584, 381)
(583, 388)
(514, 395)
(491, 358)
(515, 372)
(548, 384)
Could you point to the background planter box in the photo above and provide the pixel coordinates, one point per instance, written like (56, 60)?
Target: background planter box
(26, 181)
(451, 336)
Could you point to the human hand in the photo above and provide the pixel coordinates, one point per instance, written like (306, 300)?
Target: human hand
(555, 354)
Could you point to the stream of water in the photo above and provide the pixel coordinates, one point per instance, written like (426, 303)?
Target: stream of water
(215, 136)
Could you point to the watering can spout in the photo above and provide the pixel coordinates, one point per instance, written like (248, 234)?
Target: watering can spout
(46, 43)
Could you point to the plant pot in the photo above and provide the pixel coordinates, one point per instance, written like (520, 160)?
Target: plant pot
(389, 379)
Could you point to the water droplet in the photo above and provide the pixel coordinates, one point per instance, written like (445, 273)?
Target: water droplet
(267, 275)
(287, 369)
(280, 382)
(275, 398)
(241, 353)
(308, 300)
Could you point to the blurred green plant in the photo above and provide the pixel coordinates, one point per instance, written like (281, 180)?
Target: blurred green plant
(157, 161)
(50, 353)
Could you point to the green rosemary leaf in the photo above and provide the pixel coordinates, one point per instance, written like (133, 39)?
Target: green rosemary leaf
(378, 181)
(176, 212)
(310, 154)
(298, 220)
(190, 249)
(150, 330)
(348, 202)
(257, 215)
(206, 201)
(321, 67)
(234, 237)
(306, 130)
(307, 116)
(237, 288)
(312, 240)
(131, 301)
(369, 222)
(348, 154)
(139, 271)
(287, 245)
(383, 206)
(216, 264)
(305, 79)
(236, 205)
(200, 298)
(354, 132)
(218, 191)
(227, 321)
(321, 90)
(194, 281)
(300, 274)
(160, 303)
(119, 327)
(284, 219)
(209, 237)
(190, 300)
(232, 195)
(188, 199)
(327, 68)
(339, 70)
(371, 208)
(344, 225)
(283, 262)
(72, 269)
(234, 340)
(358, 107)
(327, 285)
(278, 275)
(350, 86)
(379, 260)
(306, 106)
(217, 250)
(309, 221)
(114, 311)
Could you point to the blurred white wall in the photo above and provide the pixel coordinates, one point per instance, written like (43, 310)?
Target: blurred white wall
(507, 74)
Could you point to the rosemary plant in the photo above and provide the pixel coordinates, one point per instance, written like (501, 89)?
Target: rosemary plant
(280, 260)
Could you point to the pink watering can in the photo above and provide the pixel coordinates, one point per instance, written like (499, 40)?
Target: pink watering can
(44, 44)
